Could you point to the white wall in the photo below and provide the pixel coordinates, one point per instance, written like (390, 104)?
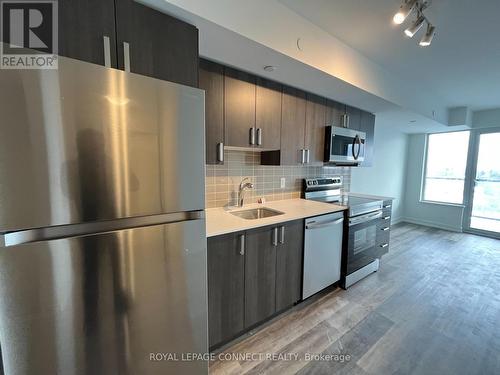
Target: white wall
(387, 175)
(432, 214)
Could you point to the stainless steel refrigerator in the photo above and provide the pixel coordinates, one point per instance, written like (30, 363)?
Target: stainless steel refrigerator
(102, 230)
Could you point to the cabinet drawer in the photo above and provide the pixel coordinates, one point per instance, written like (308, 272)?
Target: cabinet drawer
(383, 237)
(383, 226)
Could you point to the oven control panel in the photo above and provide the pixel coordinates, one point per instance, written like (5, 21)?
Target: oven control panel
(323, 183)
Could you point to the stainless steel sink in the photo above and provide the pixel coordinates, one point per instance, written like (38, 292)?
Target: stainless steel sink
(256, 213)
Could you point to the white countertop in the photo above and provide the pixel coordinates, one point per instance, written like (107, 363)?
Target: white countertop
(220, 221)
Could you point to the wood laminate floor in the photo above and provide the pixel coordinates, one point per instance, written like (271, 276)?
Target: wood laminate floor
(433, 308)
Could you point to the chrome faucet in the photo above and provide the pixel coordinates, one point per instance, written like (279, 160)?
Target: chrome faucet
(241, 191)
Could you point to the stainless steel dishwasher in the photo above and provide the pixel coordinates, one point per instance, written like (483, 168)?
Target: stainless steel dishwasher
(322, 252)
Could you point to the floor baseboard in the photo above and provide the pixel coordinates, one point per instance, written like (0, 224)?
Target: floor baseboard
(431, 224)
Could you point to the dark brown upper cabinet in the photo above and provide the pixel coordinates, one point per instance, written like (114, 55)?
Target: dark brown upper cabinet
(239, 108)
(368, 126)
(212, 81)
(86, 28)
(293, 123)
(354, 115)
(126, 35)
(285, 123)
(333, 113)
(268, 114)
(315, 129)
(154, 44)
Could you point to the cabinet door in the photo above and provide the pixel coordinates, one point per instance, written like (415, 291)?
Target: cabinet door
(315, 128)
(226, 267)
(354, 117)
(160, 46)
(212, 81)
(368, 127)
(289, 264)
(83, 24)
(268, 113)
(239, 108)
(260, 275)
(293, 121)
(334, 111)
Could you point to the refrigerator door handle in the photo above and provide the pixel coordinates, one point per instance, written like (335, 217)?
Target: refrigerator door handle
(74, 230)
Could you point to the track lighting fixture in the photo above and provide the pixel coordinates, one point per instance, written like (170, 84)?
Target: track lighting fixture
(418, 6)
(427, 38)
(405, 9)
(413, 29)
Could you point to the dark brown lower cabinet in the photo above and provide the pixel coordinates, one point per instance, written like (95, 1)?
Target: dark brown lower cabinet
(251, 276)
(260, 275)
(289, 255)
(226, 287)
(384, 228)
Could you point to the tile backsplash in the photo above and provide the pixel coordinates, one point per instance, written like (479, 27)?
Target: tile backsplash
(222, 181)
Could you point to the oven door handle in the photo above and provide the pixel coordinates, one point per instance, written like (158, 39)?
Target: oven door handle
(324, 224)
(365, 218)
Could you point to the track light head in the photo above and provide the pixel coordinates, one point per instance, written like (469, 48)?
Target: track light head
(404, 11)
(427, 38)
(417, 25)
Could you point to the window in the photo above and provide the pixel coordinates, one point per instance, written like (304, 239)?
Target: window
(445, 167)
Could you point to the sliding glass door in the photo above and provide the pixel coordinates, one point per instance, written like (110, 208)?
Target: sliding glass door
(482, 213)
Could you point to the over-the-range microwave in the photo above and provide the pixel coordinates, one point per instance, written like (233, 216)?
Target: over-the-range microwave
(344, 146)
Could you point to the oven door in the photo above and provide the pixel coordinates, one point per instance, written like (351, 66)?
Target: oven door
(362, 246)
(347, 145)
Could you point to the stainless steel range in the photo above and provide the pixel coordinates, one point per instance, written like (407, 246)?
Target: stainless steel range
(360, 253)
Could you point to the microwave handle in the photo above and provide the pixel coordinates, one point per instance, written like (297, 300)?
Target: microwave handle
(357, 140)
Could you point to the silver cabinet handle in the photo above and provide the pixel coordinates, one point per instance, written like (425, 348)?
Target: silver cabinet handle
(252, 136)
(386, 217)
(384, 245)
(275, 236)
(220, 152)
(282, 237)
(325, 224)
(126, 56)
(259, 137)
(107, 51)
(308, 153)
(385, 229)
(388, 206)
(344, 120)
(242, 244)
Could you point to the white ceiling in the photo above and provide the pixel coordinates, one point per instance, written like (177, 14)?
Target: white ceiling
(461, 67)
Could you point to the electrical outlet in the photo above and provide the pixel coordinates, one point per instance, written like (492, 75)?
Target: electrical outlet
(282, 183)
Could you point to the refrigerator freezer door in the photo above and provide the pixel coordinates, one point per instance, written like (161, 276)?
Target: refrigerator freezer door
(108, 303)
(89, 143)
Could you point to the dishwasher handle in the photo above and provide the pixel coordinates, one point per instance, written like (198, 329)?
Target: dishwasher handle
(324, 224)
